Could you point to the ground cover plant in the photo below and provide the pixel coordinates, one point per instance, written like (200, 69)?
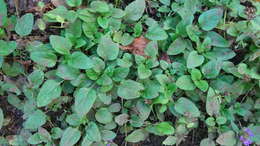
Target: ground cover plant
(108, 73)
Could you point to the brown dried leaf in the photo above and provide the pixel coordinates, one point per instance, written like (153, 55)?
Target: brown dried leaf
(137, 46)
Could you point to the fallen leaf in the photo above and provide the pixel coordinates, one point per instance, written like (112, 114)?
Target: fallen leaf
(57, 3)
(137, 46)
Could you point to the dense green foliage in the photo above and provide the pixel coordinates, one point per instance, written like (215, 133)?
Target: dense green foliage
(146, 67)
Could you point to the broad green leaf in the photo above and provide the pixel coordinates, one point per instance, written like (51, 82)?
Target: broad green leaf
(3, 12)
(74, 120)
(143, 71)
(196, 74)
(165, 128)
(151, 49)
(107, 49)
(217, 40)
(186, 107)
(207, 142)
(49, 91)
(84, 100)
(66, 72)
(212, 103)
(137, 136)
(74, 3)
(24, 25)
(35, 120)
(70, 137)
(170, 140)
(80, 60)
(194, 60)
(7, 47)
(176, 47)
(45, 58)
(210, 19)
(202, 85)
(220, 53)
(185, 83)
(60, 44)
(108, 135)
(129, 89)
(227, 139)
(92, 132)
(134, 11)
(156, 33)
(152, 88)
(36, 78)
(104, 116)
(1, 118)
(35, 139)
(212, 68)
(100, 6)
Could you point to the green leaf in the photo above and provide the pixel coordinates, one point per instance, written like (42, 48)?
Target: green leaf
(60, 44)
(49, 91)
(194, 60)
(70, 137)
(202, 85)
(186, 107)
(7, 47)
(24, 25)
(212, 103)
(102, 22)
(84, 100)
(3, 12)
(170, 140)
(134, 11)
(44, 57)
(151, 49)
(108, 135)
(176, 47)
(196, 74)
(217, 40)
(107, 49)
(207, 142)
(185, 83)
(66, 72)
(212, 68)
(36, 78)
(129, 89)
(1, 118)
(210, 19)
(210, 121)
(104, 116)
(74, 3)
(35, 120)
(92, 132)
(156, 33)
(80, 60)
(165, 128)
(227, 139)
(143, 71)
(99, 6)
(136, 136)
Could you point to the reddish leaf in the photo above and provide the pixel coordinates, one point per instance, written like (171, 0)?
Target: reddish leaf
(137, 46)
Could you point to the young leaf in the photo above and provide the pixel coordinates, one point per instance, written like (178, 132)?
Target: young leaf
(210, 19)
(185, 83)
(129, 89)
(80, 60)
(143, 71)
(7, 47)
(194, 60)
(107, 49)
(134, 11)
(170, 140)
(202, 85)
(60, 44)
(84, 100)
(24, 25)
(70, 137)
(74, 3)
(49, 91)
